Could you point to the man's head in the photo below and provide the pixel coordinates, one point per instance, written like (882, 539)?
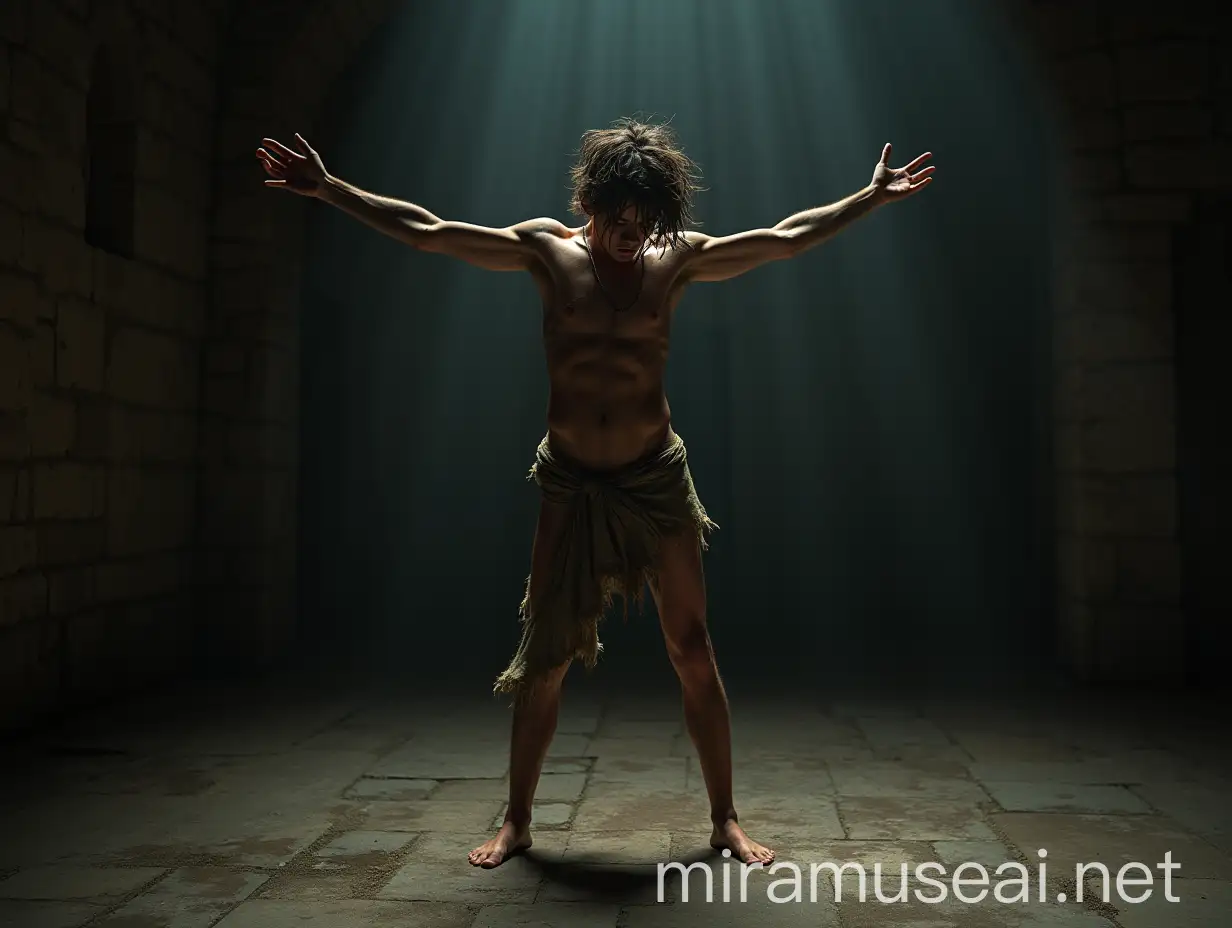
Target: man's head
(637, 184)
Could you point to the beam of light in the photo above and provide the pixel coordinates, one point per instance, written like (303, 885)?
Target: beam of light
(856, 374)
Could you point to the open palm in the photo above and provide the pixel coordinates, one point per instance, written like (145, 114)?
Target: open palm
(896, 183)
(299, 172)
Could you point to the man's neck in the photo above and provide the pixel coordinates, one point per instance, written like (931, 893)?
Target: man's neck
(607, 263)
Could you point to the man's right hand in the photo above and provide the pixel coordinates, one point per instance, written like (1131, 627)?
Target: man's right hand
(297, 171)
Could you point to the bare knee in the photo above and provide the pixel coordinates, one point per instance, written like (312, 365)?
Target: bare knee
(544, 692)
(691, 653)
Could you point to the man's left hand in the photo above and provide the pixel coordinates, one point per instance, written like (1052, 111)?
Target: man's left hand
(897, 183)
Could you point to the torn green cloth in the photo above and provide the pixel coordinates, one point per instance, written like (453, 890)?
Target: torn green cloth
(608, 544)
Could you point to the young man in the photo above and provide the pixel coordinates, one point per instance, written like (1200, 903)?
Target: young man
(618, 511)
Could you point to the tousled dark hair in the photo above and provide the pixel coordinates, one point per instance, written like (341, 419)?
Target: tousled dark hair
(640, 164)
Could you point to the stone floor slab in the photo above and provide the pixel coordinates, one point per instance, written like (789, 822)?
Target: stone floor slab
(652, 773)
(661, 730)
(992, 747)
(566, 765)
(194, 897)
(64, 882)
(347, 913)
(417, 761)
(490, 790)
(758, 909)
(988, 854)
(577, 721)
(553, 787)
(1112, 841)
(650, 748)
(889, 780)
(473, 817)
(769, 776)
(886, 734)
(1060, 797)
(320, 884)
(21, 913)
(767, 816)
(1202, 904)
(548, 915)
(233, 838)
(951, 913)
(618, 809)
(389, 790)
(1204, 810)
(618, 848)
(912, 820)
(574, 745)
(609, 884)
(376, 741)
(560, 787)
(437, 871)
(1091, 771)
(543, 814)
(365, 844)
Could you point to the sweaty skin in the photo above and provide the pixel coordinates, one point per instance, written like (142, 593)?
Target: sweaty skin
(606, 346)
(608, 298)
(605, 362)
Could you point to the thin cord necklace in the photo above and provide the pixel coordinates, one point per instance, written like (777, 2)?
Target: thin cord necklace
(599, 280)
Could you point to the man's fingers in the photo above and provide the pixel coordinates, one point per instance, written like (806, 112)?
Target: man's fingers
(303, 144)
(885, 154)
(272, 168)
(277, 147)
(923, 174)
(918, 161)
(921, 185)
(275, 183)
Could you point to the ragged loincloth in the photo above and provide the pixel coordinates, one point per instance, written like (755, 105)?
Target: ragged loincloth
(608, 545)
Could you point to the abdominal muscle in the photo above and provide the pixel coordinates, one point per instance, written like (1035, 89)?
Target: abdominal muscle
(607, 405)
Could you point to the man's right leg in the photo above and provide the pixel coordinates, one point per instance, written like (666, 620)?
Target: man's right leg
(534, 724)
(534, 721)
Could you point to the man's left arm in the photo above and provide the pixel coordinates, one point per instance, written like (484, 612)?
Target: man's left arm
(714, 258)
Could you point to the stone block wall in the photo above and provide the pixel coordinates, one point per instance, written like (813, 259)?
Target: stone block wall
(1143, 97)
(106, 127)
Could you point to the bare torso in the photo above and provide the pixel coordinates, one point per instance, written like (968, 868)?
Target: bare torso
(606, 347)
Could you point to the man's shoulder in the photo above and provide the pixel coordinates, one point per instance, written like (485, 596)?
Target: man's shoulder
(684, 244)
(543, 227)
(675, 254)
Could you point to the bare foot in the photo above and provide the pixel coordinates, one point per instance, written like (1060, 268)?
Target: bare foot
(508, 841)
(730, 836)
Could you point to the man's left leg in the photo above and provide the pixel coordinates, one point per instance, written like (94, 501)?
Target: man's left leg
(680, 595)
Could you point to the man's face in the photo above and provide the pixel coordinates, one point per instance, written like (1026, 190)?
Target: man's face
(623, 239)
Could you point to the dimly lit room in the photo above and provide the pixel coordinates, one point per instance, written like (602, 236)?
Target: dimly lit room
(593, 464)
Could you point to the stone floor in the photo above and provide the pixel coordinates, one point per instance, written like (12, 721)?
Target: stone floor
(270, 806)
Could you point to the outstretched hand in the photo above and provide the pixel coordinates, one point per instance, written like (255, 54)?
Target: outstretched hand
(897, 183)
(297, 171)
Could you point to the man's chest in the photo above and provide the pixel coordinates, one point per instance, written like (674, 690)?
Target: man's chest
(636, 303)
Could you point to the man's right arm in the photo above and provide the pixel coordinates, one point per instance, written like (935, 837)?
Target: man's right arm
(512, 248)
